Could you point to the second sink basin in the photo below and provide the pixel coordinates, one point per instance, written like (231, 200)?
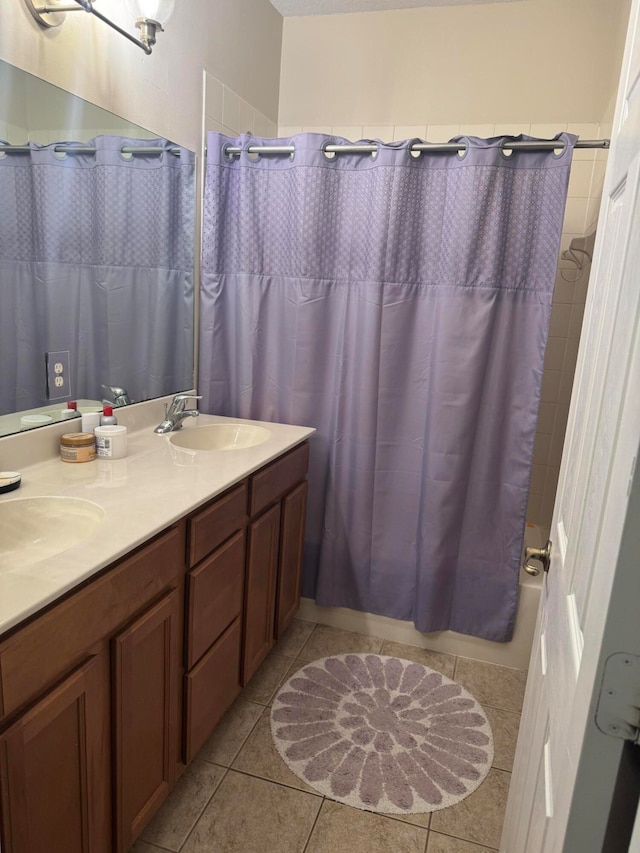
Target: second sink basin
(220, 437)
(33, 529)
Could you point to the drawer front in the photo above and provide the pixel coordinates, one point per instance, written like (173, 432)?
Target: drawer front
(276, 479)
(211, 526)
(215, 591)
(210, 689)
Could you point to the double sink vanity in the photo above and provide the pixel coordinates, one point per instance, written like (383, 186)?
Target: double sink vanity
(137, 597)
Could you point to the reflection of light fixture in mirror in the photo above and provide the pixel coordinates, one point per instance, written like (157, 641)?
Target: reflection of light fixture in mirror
(151, 15)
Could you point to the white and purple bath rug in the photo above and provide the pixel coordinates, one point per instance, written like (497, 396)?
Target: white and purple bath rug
(382, 734)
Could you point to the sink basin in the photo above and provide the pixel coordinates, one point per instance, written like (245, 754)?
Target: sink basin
(33, 529)
(220, 437)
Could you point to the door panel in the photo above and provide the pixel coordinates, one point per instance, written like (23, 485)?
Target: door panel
(589, 604)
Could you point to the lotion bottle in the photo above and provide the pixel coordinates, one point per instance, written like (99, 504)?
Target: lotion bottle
(108, 418)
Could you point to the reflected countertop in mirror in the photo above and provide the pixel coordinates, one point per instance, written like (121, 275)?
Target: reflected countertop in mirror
(96, 256)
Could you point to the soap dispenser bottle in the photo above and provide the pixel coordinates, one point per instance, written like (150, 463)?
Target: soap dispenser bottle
(108, 418)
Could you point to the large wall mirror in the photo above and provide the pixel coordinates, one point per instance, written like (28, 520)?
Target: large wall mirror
(96, 257)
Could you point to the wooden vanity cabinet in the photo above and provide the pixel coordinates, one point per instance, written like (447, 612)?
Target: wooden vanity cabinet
(109, 692)
(277, 506)
(90, 702)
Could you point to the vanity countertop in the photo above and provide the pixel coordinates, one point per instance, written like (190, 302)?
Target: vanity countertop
(156, 484)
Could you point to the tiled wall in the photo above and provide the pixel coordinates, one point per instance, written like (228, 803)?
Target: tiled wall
(585, 190)
(226, 112)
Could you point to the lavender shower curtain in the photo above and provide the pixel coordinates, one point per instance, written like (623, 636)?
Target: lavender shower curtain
(400, 306)
(96, 257)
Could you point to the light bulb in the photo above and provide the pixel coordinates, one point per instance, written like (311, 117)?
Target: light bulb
(153, 10)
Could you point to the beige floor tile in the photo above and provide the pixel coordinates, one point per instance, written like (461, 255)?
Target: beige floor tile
(434, 660)
(260, 758)
(505, 725)
(175, 820)
(296, 665)
(267, 679)
(326, 641)
(231, 732)
(479, 817)
(249, 815)
(421, 819)
(294, 638)
(143, 847)
(498, 686)
(446, 844)
(342, 828)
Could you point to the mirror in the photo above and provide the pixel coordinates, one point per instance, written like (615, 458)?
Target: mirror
(96, 257)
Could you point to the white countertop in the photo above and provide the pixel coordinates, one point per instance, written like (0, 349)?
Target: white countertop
(155, 485)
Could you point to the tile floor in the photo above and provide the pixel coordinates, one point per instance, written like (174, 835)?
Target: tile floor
(238, 796)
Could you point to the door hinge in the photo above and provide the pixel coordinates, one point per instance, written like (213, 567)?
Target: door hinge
(618, 712)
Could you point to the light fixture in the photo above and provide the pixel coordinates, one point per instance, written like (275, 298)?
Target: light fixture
(150, 16)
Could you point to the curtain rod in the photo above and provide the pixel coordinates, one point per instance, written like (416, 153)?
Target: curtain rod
(86, 149)
(370, 148)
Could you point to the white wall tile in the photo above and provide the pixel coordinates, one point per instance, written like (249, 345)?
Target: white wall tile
(575, 324)
(546, 417)
(575, 215)
(542, 448)
(384, 132)
(289, 130)
(511, 129)
(563, 289)
(213, 98)
(584, 131)
(352, 132)
(318, 128)
(231, 109)
(560, 319)
(547, 131)
(409, 131)
(210, 124)
(442, 132)
(550, 386)
(534, 508)
(262, 126)
(538, 477)
(580, 179)
(554, 355)
(246, 117)
(484, 131)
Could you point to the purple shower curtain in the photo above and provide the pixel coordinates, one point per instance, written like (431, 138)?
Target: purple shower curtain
(401, 306)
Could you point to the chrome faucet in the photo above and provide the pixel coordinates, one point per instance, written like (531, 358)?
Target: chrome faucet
(175, 413)
(118, 396)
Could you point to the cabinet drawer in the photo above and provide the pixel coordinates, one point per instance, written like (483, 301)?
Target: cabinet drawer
(212, 525)
(282, 475)
(215, 592)
(210, 688)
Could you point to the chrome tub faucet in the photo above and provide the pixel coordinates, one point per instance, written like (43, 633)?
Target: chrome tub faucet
(175, 413)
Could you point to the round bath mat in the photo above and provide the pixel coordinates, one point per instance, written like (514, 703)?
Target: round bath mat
(382, 734)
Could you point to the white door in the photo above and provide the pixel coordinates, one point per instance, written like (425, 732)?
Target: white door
(565, 767)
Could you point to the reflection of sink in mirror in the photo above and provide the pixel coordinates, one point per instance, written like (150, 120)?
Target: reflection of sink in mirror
(34, 529)
(220, 437)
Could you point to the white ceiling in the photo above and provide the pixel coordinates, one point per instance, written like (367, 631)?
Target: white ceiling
(299, 8)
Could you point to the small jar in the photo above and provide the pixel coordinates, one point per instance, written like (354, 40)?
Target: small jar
(77, 447)
(111, 441)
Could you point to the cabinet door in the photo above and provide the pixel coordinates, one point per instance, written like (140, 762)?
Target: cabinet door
(54, 777)
(260, 590)
(146, 671)
(294, 508)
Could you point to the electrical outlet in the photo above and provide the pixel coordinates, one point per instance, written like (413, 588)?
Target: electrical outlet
(58, 365)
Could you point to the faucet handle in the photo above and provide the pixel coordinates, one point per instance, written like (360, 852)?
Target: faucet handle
(186, 397)
(178, 403)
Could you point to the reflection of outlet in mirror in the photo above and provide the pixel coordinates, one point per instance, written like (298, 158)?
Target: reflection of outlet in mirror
(58, 375)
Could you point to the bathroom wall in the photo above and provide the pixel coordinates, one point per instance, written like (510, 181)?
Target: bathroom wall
(480, 70)
(237, 41)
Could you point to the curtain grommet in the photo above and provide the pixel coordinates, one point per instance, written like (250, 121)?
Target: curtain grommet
(415, 155)
(331, 156)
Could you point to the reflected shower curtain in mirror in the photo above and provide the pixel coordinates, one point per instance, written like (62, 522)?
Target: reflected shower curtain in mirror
(401, 306)
(96, 257)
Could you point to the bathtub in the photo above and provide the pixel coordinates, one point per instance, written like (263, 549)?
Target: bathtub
(515, 653)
